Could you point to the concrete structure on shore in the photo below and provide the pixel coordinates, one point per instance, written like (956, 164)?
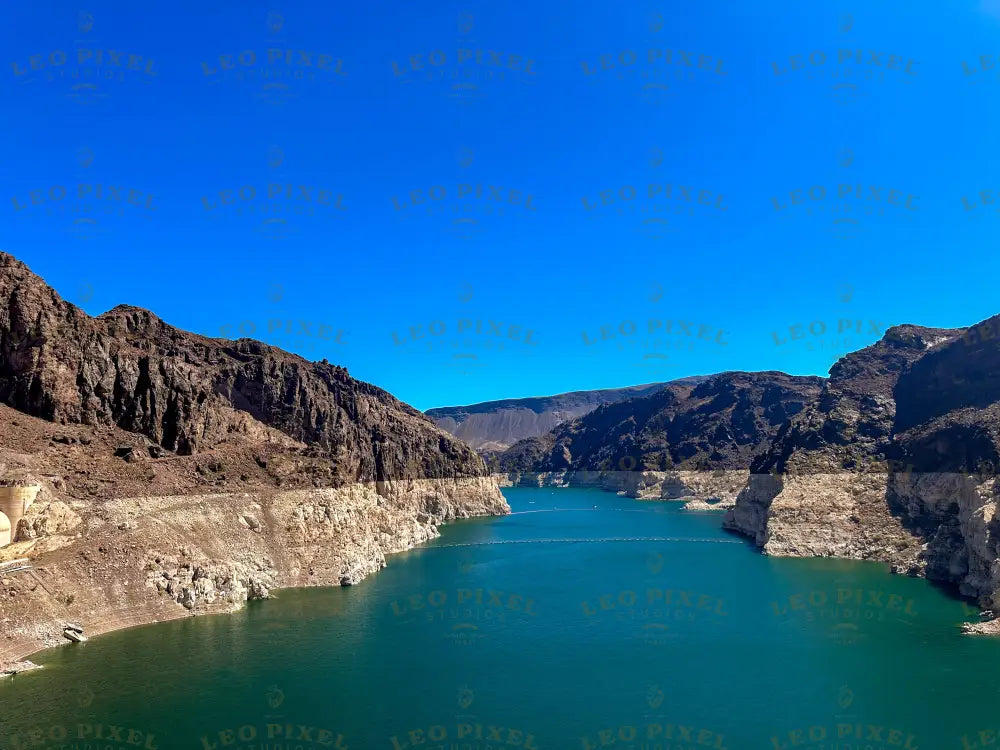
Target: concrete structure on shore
(14, 503)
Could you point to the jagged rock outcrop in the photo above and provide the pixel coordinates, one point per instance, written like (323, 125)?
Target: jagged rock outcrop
(45, 519)
(656, 446)
(836, 449)
(947, 447)
(187, 393)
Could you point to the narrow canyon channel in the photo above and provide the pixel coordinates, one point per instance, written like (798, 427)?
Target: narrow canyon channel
(582, 620)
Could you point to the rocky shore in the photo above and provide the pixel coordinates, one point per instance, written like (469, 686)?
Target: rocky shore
(140, 560)
(181, 475)
(17, 667)
(896, 461)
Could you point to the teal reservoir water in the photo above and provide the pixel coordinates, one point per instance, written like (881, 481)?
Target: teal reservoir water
(583, 620)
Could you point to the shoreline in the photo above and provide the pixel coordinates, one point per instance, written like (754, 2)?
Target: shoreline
(160, 610)
(697, 490)
(30, 649)
(651, 486)
(154, 614)
(20, 654)
(7, 661)
(140, 561)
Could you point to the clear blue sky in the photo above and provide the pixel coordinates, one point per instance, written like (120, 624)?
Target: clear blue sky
(381, 177)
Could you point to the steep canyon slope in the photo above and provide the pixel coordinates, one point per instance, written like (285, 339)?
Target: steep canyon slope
(185, 474)
(690, 438)
(893, 458)
(895, 461)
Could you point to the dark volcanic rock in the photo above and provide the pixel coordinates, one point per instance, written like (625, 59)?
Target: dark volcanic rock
(844, 433)
(963, 374)
(947, 452)
(188, 393)
(849, 426)
(718, 423)
(895, 461)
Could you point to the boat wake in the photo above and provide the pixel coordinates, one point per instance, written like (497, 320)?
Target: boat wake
(602, 540)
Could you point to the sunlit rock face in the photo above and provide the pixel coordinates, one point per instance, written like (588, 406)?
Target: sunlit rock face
(177, 474)
(896, 460)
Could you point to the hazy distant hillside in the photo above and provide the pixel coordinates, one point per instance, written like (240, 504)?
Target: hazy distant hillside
(496, 425)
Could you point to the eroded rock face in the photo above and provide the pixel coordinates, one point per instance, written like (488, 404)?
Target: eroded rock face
(47, 519)
(896, 461)
(143, 559)
(184, 475)
(955, 515)
(188, 393)
(202, 586)
(845, 432)
(947, 445)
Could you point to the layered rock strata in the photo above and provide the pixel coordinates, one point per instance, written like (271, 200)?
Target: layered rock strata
(181, 474)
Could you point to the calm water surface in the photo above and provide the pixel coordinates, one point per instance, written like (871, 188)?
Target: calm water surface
(670, 633)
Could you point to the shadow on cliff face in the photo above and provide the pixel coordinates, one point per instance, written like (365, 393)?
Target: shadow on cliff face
(946, 437)
(953, 514)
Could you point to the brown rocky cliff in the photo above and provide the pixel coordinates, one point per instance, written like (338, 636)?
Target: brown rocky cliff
(962, 373)
(947, 445)
(182, 474)
(819, 488)
(895, 461)
(717, 423)
(189, 393)
(848, 426)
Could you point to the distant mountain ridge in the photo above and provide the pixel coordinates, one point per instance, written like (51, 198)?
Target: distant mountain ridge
(496, 425)
(717, 422)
